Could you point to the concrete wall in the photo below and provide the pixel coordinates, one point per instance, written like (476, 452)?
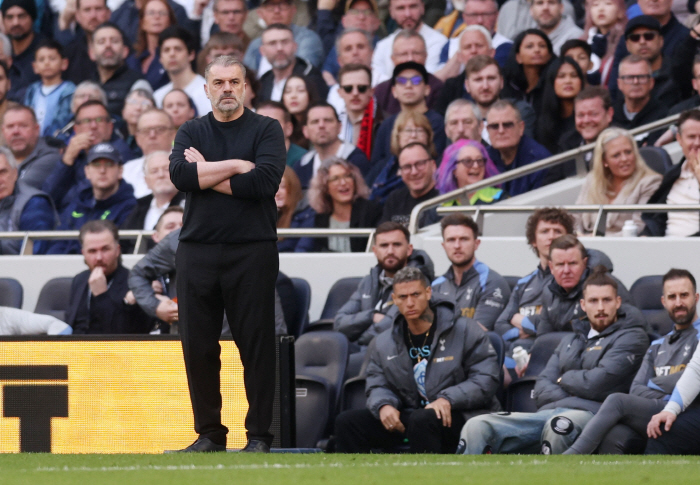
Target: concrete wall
(507, 255)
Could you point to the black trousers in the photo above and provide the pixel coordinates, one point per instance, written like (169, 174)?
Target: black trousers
(240, 280)
(683, 439)
(358, 431)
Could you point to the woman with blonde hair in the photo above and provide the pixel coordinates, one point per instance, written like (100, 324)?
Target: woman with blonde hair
(409, 127)
(619, 176)
(338, 199)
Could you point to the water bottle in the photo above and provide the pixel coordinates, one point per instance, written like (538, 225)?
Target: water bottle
(629, 229)
(521, 357)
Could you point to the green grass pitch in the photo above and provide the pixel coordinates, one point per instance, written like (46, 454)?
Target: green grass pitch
(278, 469)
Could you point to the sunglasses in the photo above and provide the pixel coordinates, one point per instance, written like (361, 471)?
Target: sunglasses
(361, 88)
(414, 81)
(508, 125)
(648, 36)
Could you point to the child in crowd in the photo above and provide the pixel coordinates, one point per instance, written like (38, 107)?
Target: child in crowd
(51, 97)
(580, 51)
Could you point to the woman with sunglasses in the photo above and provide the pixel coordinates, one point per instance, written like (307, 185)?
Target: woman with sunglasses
(563, 81)
(603, 28)
(619, 176)
(338, 199)
(524, 71)
(298, 94)
(467, 162)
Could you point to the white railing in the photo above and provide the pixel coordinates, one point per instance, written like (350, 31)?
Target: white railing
(577, 154)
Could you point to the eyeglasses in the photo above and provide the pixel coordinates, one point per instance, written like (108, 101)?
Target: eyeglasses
(469, 162)
(341, 178)
(477, 15)
(361, 88)
(419, 165)
(98, 120)
(508, 125)
(414, 81)
(636, 78)
(158, 130)
(648, 36)
(413, 131)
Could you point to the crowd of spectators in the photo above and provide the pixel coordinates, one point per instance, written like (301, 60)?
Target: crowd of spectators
(382, 107)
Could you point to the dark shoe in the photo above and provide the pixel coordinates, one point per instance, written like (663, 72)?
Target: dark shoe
(203, 445)
(256, 446)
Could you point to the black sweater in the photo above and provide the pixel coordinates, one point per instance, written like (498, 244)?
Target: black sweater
(250, 214)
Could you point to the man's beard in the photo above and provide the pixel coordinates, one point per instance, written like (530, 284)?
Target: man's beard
(394, 267)
(282, 63)
(687, 319)
(109, 62)
(462, 264)
(21, 36)
(229, 108)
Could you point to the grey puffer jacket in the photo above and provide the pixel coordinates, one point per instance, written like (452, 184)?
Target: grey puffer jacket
(582, 372)
(355, 319)
(463, 366)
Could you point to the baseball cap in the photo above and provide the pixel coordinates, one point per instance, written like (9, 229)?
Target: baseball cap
(372, 3)
(642, 21)
(404, 66)
(104, 150)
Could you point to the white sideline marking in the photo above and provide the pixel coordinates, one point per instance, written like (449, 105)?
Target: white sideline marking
(274, 466)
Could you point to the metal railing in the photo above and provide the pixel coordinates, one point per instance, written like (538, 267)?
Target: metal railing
(29, 237)
(601, 217)
(576, 153)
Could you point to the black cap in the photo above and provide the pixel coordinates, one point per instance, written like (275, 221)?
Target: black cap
(28, 6)
(106, 151)
(642, 21)
(409, 65)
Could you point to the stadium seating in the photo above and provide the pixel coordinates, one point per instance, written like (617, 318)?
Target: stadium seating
(300, 319)
(338, 295)
(500, 348)
(519, 396)
(320, 361)
(512, 281)
(647, 292)
(11, 293)
(54, 298)
(657, 158)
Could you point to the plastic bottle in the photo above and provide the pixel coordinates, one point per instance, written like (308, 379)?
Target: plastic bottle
(629, 229)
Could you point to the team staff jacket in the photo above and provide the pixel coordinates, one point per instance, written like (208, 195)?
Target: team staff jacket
(355, 319)
(561, 311)
(664, 363)
(462, 368)
(583, 371)
(527, 296)
(250, 214)
(482, 294)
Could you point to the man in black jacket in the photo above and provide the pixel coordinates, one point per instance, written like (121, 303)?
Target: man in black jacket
(227, 259)
(97, 304)
(601, 357)
(427, 374)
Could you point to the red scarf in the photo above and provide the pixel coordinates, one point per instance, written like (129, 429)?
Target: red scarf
(364, 141)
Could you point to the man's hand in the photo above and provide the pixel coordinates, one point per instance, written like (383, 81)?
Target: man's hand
(654, 426)
(67, 15)
(157, 287)
(199, 6)
(520, 371)
(129, 298)
(326, 4)
(390, 418)
(517, 320)
(167, 311)
(694, 164)
(192, 155)
(443, 409)
(378, 317)
(76, 144)
(97, 281)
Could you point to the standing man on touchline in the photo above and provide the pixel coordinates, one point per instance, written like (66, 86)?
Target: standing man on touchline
(230, 164)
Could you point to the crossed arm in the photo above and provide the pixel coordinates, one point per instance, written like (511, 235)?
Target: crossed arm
(216, 175)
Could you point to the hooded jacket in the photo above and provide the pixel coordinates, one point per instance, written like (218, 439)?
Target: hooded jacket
(583, 371)
(85, 208)
(482, 294)
(355, 318)
(39, 164)
(463, 366)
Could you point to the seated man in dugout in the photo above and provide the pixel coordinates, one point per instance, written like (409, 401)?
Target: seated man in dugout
(427, 374)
